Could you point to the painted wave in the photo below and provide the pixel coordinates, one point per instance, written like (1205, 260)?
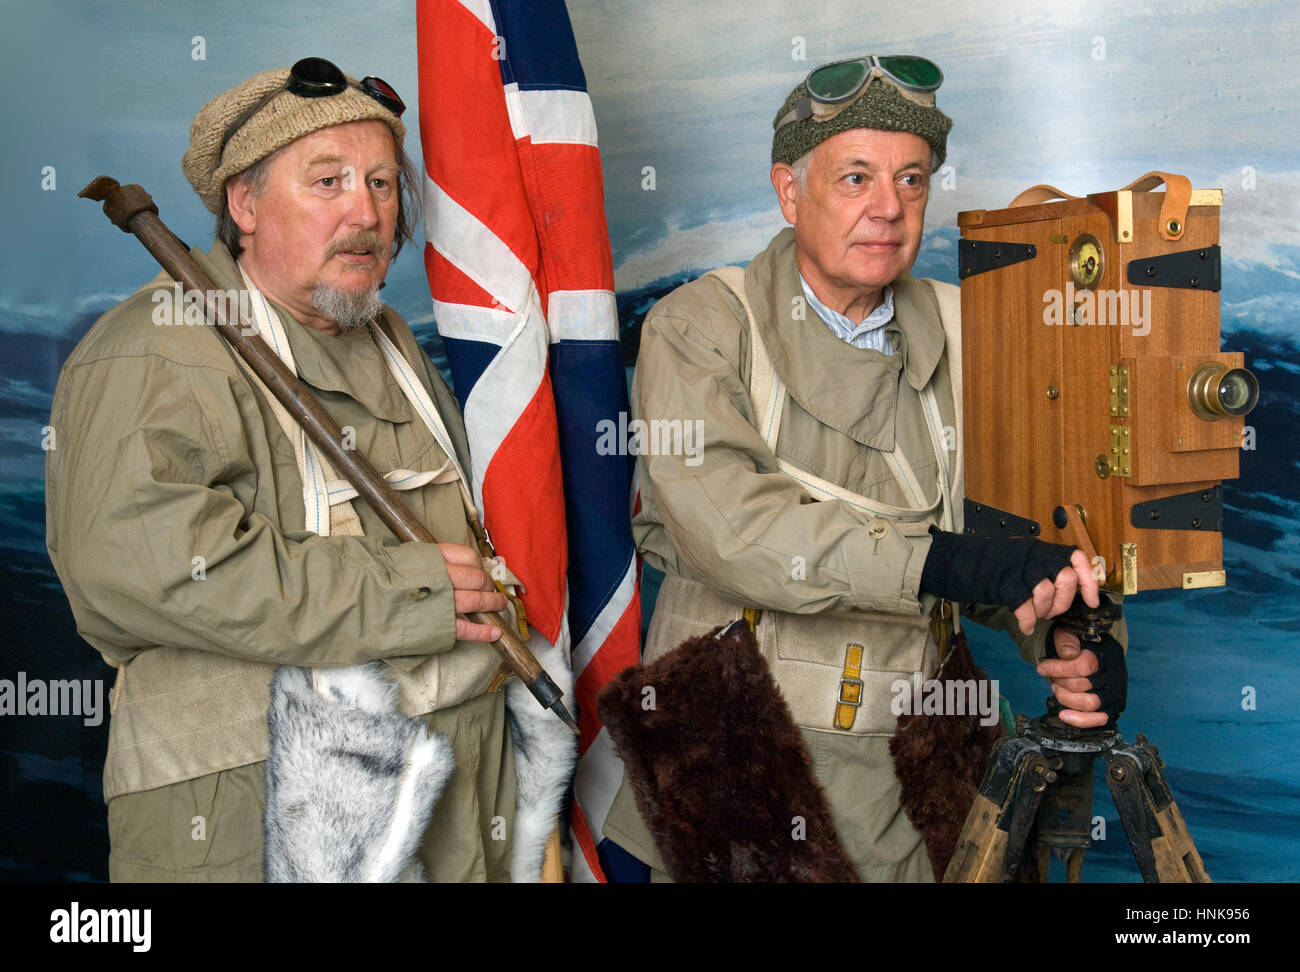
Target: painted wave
(1194, 654)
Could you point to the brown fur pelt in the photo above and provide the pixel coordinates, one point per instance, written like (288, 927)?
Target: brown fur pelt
(719, 769)
(940, 761)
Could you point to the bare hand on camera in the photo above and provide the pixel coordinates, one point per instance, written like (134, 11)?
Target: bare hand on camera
(1090, 683)
(1052, 598)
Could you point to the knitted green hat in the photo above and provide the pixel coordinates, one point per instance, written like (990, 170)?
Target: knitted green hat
(881, 107)
(284, 118)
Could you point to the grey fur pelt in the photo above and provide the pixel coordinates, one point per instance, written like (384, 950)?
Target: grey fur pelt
(350, 784)
(546, 751)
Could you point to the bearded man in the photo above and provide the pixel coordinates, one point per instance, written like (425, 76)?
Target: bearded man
(203, 544)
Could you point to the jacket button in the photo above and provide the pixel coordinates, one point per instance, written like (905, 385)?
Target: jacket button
(420, 593)
(878, 529)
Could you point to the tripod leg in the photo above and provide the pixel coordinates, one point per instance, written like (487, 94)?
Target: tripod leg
(1154, 826)
(1177, 858)
(1002, 816)
(1074, 866)
(1043, 858)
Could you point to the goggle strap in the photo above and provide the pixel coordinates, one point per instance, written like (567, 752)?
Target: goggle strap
(244, 118)
(371, 86)
(922, 95)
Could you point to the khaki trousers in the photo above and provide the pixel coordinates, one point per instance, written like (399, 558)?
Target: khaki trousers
(210, 828)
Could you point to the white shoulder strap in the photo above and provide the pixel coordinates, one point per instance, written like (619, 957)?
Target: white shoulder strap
(326, 497)
(767, 395)
(424, 407)
(766, 390)
(949, 300)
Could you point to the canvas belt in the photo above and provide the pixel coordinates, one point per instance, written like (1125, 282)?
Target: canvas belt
(850, 698)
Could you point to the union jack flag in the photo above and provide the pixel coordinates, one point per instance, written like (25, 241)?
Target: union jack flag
(522, 278)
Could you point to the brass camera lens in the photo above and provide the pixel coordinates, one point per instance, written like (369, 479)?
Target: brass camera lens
(1087, 261)
(1215, 391)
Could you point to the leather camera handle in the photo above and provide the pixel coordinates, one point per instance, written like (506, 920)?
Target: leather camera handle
(1178, 196)
(1039, 194)
(1173, 211)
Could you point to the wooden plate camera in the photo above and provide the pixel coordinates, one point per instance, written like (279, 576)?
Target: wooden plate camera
(1099, 410)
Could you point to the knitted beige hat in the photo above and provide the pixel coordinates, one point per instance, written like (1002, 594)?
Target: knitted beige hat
(282, 119)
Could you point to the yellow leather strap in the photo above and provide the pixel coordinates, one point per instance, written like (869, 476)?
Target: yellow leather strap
(846, 706)
(753, 616)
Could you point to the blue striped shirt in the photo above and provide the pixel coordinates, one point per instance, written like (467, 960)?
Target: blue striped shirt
(869, 334)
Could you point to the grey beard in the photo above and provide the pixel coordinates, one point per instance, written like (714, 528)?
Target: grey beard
(349, 309)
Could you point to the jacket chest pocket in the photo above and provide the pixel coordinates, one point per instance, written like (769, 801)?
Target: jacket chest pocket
(810, 657)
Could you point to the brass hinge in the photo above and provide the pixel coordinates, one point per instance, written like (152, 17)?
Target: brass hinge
(1119, 398)
(1120, 446)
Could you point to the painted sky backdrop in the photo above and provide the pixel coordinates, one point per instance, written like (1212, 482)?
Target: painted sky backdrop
(1084, 96)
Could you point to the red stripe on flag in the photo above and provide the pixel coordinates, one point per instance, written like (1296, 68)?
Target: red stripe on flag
(450, 285)
(617, 653)
(567, 194)
(523, 488)
(471, 154)
(582, 832)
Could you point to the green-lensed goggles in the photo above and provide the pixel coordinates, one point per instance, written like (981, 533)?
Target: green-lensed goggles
(833, 87)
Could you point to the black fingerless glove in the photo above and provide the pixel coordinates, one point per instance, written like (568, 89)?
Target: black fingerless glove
(1109, 681)
(989, 570)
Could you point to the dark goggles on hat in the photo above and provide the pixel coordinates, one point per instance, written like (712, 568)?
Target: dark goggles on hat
(315, 77)
(833, 87)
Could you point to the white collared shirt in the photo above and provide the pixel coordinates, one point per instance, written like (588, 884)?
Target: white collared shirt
(869, 334)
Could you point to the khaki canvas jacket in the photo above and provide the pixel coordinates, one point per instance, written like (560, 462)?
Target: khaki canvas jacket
(175, 520)
(726, 519)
